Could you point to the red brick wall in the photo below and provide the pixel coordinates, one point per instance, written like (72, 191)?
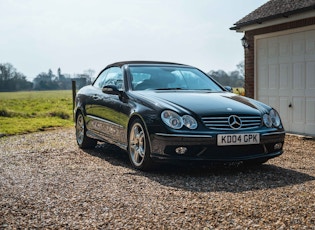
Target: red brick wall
(249, 64)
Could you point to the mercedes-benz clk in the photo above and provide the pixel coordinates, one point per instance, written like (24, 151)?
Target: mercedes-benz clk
(160, 111)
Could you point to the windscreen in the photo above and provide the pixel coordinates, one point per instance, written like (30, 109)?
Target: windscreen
(171, 77)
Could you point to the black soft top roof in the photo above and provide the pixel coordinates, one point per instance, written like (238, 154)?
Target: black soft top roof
(119, 64)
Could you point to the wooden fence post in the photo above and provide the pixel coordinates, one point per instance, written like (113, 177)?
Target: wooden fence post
(74, 92)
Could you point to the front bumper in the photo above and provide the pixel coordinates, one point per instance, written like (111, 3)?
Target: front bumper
(205, 148)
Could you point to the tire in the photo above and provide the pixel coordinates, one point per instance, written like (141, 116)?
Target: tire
(138, 146)
(83, 141)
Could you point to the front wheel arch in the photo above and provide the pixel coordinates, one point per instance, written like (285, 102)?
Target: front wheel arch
(82, 139)
(145, 162)
(131, 120)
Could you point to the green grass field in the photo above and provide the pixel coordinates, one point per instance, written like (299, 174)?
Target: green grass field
(24, 112)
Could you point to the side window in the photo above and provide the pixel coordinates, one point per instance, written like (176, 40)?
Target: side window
(114, 77)
(99, 82)
(111, 76)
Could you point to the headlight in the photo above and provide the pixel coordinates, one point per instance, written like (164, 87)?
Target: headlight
(272, 119)
(173, 120)
(267, 120)
(189, 122)
(275, 118)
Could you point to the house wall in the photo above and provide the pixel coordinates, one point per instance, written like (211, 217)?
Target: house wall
(250, 52)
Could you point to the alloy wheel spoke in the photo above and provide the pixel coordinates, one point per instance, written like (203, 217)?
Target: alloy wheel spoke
(80, 129)
(136, 155)
(141, 152)
(141, 135)
(133, 146)
(136, 132)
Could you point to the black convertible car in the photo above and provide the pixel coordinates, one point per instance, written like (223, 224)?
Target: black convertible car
(166, 111)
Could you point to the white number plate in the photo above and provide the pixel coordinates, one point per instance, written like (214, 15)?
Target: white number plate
(238, 139)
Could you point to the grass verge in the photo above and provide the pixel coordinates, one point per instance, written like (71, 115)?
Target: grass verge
(24, 112)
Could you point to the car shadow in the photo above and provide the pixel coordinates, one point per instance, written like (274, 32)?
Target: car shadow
(110, 153)
(233, 178)
(228, 178)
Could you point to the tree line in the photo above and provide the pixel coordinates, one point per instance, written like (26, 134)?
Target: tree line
(50, 81)
(12, 80)
(233, 79)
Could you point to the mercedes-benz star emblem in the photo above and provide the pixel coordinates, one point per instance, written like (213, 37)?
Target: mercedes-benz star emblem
(235, 122)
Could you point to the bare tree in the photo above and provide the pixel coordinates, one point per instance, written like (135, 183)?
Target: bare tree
(240, 68)
(90, 73)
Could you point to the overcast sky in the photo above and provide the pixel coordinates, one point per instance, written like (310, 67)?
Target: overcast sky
(38, 35)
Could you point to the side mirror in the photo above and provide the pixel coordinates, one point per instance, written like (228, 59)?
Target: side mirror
(111, 89)
(229, 88)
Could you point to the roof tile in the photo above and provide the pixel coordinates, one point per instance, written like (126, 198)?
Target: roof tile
(276, 9)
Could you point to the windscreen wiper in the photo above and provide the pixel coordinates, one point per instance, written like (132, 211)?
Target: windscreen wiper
(169, 89)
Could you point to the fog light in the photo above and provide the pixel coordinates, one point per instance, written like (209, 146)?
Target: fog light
(181, 150)
(277, 146)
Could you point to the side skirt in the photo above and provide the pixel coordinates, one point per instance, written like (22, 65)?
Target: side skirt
(100, 137)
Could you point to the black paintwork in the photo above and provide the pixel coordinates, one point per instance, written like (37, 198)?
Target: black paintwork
(109, 111)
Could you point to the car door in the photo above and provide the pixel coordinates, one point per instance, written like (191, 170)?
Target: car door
(108, 120)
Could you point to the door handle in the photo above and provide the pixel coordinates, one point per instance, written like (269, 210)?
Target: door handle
(290, 105)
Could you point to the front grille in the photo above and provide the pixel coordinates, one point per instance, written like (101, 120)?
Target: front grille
(222, 122)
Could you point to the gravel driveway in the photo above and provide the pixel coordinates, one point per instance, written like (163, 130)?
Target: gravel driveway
(47, 182)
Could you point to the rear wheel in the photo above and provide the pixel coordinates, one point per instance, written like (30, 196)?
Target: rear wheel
(138, 146)
(83, 141)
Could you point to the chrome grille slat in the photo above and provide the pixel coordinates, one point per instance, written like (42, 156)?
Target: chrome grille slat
(221, 122)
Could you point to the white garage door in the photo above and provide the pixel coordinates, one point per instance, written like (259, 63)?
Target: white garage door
(285, 77)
